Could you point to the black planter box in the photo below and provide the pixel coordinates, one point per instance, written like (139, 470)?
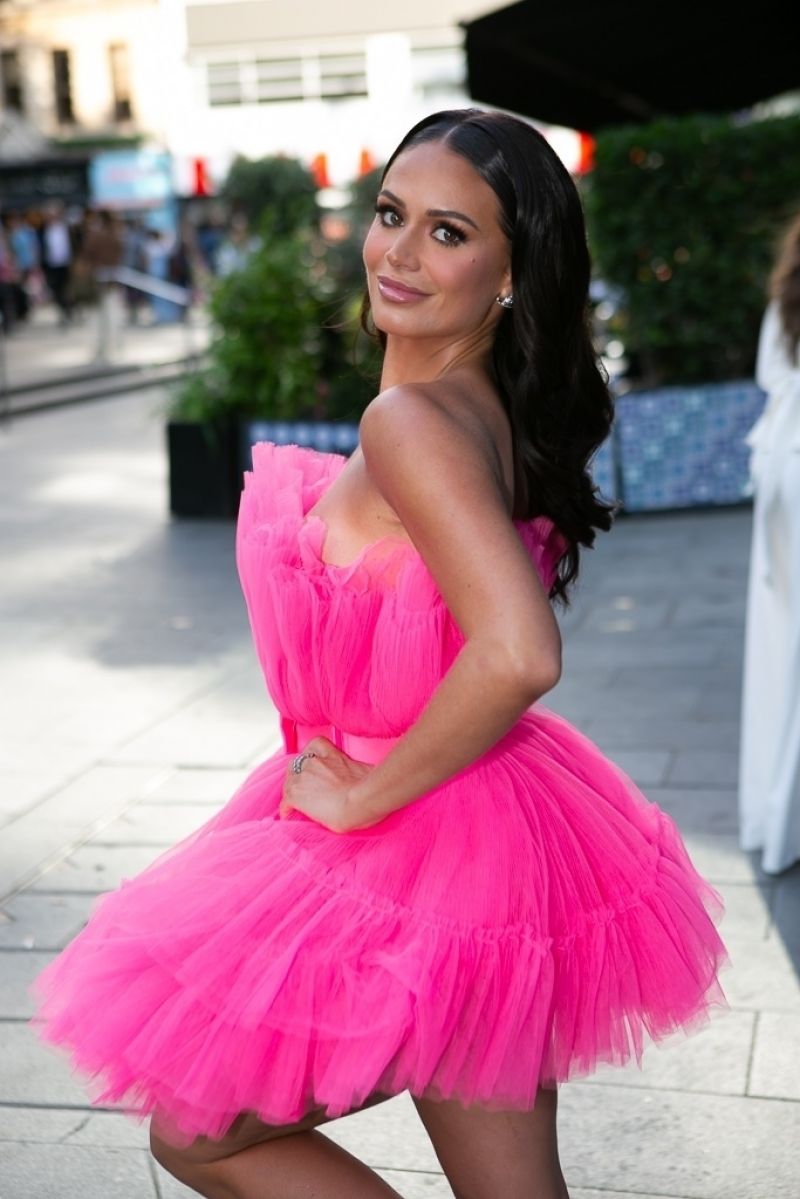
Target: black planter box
(204, 475)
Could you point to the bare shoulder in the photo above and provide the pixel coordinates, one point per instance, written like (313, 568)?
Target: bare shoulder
(439, 429)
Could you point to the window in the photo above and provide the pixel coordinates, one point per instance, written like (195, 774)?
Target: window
(224, 83)
(120, 81)
(11, 81)
(438, 70)
(342, 76)
(279, 79)
(62, 87)
(300, 76)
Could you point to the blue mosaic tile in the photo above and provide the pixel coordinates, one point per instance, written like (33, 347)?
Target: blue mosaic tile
(684, 447)
(337, 437)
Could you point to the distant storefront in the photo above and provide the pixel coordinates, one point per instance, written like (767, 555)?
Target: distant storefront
(135, 183)
(35, 183)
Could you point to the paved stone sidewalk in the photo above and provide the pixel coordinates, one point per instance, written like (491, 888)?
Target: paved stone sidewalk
(41, 350)
(131, 706)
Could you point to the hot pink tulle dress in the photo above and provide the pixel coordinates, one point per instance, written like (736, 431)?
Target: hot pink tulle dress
(529, 918)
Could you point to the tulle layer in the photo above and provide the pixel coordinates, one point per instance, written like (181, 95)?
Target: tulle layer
(527, 920)
(362, 646)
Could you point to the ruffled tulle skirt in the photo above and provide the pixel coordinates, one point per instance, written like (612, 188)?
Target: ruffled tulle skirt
(530, 918)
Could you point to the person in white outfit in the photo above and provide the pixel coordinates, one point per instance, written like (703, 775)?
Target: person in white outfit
(769, 775)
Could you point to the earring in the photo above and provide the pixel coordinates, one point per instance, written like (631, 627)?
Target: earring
(505, 301)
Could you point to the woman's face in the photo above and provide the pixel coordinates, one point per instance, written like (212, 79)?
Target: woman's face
(435, 255)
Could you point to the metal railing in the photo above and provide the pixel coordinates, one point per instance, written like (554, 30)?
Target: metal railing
(108, 280)
(149, 285)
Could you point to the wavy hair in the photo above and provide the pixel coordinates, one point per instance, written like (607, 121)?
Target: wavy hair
(784, 285)
(545, 366)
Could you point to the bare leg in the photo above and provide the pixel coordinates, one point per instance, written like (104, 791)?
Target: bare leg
(261, 1161)
(488, 1154)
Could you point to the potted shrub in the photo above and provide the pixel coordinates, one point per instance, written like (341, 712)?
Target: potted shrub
(682, 218)
(277, 368)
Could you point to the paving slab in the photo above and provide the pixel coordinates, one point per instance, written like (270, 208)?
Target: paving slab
(671, 1143)
(221, 728)
(34, 1075)
(642, 732)
(52, 1171)
(209, 785)
(154, 824)
(704, 767)
(713, 1060)
(698, 809)
(94, 869)
(786, 910)
(31, 921)
(18, 969)
(747, 915)
(776, 1059)
(65, 818)
(34, 1125)
(766, 981)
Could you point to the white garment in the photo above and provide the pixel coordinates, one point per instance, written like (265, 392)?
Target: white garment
(769, 768)
(57, 248)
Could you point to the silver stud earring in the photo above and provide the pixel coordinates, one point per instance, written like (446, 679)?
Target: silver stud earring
(505, 301)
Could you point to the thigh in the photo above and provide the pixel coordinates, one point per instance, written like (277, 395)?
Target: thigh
(247, 1130)
(486, 1154)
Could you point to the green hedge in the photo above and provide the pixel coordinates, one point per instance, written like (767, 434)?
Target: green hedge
(683, 217)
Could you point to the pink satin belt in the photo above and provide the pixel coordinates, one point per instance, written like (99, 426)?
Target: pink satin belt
(363, 749)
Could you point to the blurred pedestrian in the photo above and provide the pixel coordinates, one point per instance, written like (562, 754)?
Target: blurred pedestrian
(100, 258)
(769, 779)
(159, 249)
(236, 247)
(9, 283)
(57, 260)
(134, 257)
(24, 245)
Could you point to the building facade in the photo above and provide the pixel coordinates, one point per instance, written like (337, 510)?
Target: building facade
(74, 69)
(207, 80)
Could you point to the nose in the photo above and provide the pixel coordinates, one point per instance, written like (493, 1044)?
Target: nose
(403, 252)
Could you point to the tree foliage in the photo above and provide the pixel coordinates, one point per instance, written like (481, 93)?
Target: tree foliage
(683, 217)
(276, 186)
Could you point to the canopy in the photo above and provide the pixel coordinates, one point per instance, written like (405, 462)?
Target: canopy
(588, 65)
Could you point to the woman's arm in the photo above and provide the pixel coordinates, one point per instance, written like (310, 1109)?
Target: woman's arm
(434, 469)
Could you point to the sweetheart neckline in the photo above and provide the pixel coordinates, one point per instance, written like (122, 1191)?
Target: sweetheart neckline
(388, 538)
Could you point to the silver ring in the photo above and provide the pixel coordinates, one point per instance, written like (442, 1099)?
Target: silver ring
(297, 764)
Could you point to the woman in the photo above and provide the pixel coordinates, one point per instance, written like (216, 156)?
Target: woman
(769, 776)
(438, 890)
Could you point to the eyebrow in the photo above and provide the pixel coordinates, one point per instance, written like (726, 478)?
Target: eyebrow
(444, 212)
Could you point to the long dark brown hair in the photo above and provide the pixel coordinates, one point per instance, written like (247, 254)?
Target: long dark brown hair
(784, 285)
(545, 365)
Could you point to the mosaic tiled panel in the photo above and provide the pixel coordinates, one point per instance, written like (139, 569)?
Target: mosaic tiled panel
(603, 470)
(680, 447)
(336, 437)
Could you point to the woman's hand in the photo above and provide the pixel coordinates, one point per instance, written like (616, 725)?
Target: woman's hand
(321, 788)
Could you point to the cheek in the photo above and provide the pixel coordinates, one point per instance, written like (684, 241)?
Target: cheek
(374, 246)
(470, 275)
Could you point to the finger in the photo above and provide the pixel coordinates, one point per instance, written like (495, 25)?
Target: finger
(321, 747)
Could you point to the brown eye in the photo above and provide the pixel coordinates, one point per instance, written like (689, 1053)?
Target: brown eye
(388, 216)
(449, 235)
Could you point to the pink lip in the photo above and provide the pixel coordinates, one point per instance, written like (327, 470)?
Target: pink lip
(399, 293)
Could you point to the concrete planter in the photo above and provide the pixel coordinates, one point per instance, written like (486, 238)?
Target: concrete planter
(204, 480)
